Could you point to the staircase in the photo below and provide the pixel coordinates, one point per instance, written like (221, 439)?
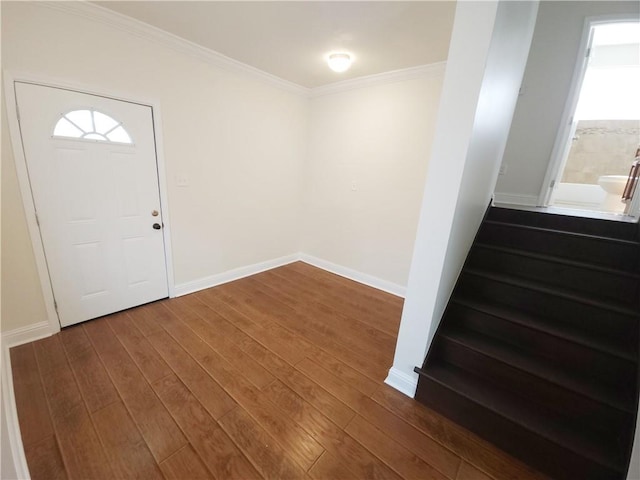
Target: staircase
(538, 349)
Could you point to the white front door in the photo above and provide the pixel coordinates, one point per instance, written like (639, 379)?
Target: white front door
(93, 174)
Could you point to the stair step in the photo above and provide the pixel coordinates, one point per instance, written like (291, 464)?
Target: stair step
(576, 277)
(611, 395)
(602, 367)
(538, 350)
(555, 291)
(573, 406)
(553, 329)
(609, 326)
(519, 427)
(593, 226)
(560, 260)
(599, 250)
(578, 235)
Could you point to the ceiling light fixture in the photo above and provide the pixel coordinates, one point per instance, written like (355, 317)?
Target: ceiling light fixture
(339, 62)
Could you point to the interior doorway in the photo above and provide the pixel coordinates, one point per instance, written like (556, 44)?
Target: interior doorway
(604, 133)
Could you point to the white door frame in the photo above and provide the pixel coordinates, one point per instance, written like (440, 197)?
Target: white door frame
(10, 77)
(561, 144)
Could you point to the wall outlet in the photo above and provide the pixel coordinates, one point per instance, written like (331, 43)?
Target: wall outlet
(354, 186)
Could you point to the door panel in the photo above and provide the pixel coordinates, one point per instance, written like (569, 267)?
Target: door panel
(94, 200)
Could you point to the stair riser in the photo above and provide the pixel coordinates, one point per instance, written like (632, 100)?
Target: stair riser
(573, 406)
(618, 327)
(560, 463)
(621, 256)
(588, 226)
(593, 283)
(607, 368)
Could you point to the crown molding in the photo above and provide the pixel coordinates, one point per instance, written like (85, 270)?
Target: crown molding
(178, 44)
(158, 36)
(431, 69)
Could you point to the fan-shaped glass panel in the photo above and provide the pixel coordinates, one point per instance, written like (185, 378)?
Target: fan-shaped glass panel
(91, 125)
(103, 123)
(64, 128)
(81, 119)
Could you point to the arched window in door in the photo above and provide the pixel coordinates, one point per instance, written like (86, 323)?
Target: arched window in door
(91, 125)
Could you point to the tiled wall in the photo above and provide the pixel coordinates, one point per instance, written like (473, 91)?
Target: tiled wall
(602, 147)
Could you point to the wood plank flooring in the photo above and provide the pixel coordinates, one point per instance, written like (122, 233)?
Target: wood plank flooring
(275, 376)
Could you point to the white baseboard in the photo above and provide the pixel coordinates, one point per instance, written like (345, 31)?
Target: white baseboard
(231, 275)
(384, 285)
(402, 382)
(513, 199)
(27, 334)
(15, 450)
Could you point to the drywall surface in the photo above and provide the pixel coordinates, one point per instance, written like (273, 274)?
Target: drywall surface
(486, 62)
(367, 159)
(236, 141)
(22, 302)
(546, 84)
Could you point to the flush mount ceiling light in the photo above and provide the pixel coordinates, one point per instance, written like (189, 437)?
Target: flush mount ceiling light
(339, 62)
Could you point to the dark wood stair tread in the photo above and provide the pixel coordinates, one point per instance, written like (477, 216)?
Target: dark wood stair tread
(540, 324)
(526, 415)
(542, 368)
(538, 348)
(552, 290)
(574, 221)
(601, 238)
(560, 260)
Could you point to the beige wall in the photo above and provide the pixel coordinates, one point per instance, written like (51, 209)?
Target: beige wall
(368, 155)
(601, 147)
(239, 140)
(22, 303)
(256, 157)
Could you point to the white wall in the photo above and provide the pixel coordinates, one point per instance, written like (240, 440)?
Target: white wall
(365, 171)
(487, 56)
(239, 140)
(546, 84)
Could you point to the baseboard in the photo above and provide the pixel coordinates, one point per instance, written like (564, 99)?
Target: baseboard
(15, 448)
(27, 334)
(402, 382)
(231, 275)
(356, 276)
(514, 199)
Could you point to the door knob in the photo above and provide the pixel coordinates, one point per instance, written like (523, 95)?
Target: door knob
(156, 226)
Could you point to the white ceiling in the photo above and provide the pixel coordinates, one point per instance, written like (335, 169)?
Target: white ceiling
(291, 39)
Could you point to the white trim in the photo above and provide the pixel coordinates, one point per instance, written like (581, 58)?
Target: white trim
(432, 69)
(515, 199)
(377, 283)
(161, 37)
(10, 78)
(231, 275)
(27, 334)
(10, 339)
(164, 195)
(157, 36)
(27, 202)
(402, 382)
(11, 414)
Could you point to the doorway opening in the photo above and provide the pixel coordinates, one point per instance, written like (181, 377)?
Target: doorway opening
(604, 135)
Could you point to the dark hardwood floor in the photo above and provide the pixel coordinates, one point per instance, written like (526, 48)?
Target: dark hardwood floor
(275, 376)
